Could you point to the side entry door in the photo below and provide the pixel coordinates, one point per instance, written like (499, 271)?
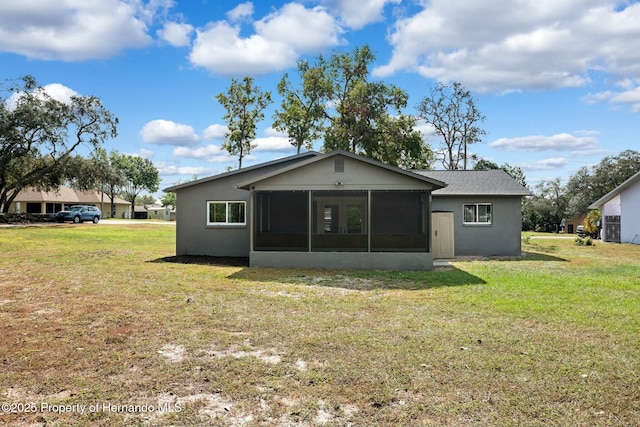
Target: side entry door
(442, 235)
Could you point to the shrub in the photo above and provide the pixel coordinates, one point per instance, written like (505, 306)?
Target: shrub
(584, 241)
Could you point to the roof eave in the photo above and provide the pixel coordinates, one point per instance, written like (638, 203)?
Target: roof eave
(613, 193)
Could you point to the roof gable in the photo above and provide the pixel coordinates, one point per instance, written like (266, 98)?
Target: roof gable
(359, 173)
(494, 182)
(240, 172)
(616, 191)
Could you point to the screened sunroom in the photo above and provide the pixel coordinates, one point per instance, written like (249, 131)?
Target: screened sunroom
(341, 221)
(340, 210)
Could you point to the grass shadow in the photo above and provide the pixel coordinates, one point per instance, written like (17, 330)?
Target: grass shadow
(361, 280)
(537, 256)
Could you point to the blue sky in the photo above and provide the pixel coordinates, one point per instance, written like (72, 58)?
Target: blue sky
(558, 80)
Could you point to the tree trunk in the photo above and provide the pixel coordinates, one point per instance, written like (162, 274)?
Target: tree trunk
(133, 208)
(465, 155)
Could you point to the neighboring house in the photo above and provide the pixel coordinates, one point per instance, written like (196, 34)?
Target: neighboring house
(33, 201)
(621, 212)
(140, 212)
(341, 210)
(165, 213)
(570, 225)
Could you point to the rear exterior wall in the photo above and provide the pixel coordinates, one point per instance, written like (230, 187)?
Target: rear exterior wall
(500, 238)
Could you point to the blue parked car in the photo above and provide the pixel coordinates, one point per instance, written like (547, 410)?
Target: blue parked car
(79, 213)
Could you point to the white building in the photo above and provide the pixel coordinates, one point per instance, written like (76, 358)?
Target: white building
(621, 212)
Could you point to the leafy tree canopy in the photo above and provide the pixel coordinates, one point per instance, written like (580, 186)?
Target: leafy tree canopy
(588, 185)
(168, 199)
(336, 102)
(302, 112)
(244, 103)
(39, 136)
(145, 200)
(515, 172)
(368, 115)
(545, 210)
(138, 174)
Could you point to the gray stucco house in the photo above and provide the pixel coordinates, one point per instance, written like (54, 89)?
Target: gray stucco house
(484, 210)
(341, 210)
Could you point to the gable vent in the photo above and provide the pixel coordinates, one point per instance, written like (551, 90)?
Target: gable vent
(338, 165)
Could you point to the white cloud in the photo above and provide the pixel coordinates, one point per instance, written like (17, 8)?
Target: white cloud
(274, 132)
(220, 48)
(594, 98)
(273, 143)
(628, 95)
(210, 153)
(60, 92)
(241, 12)
(169, 133)
(73, 31)
(173, 170)
(427, 129)
(215, 131)
(556, 163)
(314, 29)
(559, 142)
(494, 46)
(56, 91)
(146, 154)
(357, 14)
(176, 34)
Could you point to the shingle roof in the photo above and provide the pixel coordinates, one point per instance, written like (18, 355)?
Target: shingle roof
(63, 195)
(475, 183)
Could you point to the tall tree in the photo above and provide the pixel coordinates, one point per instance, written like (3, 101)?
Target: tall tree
(39, 135)
(245, 104)
(111, 179)
(97, 173)
(302, 111)
(485, 165)
(368, 115)
(588, 185)
(348, 92)
(551, 203)
(145, 200)
(169, 199)
(401, 145)
(580, 192)
(452, 111)
(139, 174)
(514, 171)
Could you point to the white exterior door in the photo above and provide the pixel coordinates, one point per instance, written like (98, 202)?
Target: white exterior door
(442, 235)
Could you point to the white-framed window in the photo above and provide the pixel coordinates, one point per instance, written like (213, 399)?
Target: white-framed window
(226, 213)
(477, 213)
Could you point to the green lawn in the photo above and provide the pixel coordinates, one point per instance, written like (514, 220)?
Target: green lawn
(105, 318)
